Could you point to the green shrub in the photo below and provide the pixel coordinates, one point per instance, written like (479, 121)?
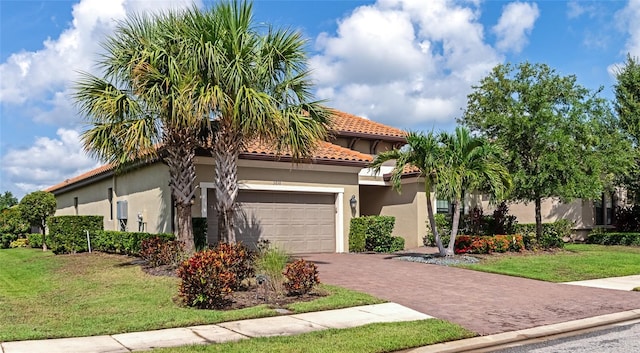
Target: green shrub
(67, 234)
(200, 232)
(553, 234)
(376, 231)
(614, 238)
(357, 235)
(301, 277)
(19, 243)
(474, 244)
(207, 282)
(627, 219)
(158, 251)
(35, 240)
(127, 243)
(397, 244)
(443, 225)
(6, 240)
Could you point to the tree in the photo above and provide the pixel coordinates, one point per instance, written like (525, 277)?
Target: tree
(7, 200)
(449, 164)
(627, 106)
(150, 104)
(421, 152)
(262, 92)
(12, 226)
(561, 139)
(469, 163)
(35, 208)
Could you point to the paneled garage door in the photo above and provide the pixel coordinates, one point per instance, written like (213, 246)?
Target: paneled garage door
(296, 222)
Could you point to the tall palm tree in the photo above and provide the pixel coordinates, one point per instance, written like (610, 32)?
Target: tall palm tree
(469, 163)
(150, 103)
(261, 90)
(422, 152)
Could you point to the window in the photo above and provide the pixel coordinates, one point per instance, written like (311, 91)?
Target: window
(443, 206)
(603, 210)
(110, 198)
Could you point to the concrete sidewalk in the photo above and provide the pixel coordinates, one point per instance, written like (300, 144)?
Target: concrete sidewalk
(222, 332)
(626, 283)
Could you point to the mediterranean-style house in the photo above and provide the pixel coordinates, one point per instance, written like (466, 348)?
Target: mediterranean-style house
(302, 207)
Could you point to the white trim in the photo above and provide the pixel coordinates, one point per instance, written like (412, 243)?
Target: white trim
(339, 203)
(374, 182)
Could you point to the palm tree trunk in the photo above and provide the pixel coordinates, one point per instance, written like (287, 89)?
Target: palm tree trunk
(432, 222)
(454, 226)
(182, 174)
(226, 152)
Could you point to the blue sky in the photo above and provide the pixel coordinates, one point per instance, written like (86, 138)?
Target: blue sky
(406, 63)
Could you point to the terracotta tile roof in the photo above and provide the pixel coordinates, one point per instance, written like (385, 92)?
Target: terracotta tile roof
(92, 173)
(326, 151)
(407, 171)
(349, 125)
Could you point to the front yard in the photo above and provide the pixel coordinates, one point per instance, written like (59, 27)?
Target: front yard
(48, 296)
(576, 262)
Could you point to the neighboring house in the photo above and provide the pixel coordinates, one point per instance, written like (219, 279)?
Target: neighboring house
(302, 207)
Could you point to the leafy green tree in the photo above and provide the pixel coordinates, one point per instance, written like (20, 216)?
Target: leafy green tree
(7, 200)
(262, 92)
(35, 208)
(469, 163)
(561, 139)
(627, 106)
(12, 226)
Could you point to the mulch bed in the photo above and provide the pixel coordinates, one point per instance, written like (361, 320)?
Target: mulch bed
(251, 296)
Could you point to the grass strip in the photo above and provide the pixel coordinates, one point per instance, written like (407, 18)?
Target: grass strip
(372, 338)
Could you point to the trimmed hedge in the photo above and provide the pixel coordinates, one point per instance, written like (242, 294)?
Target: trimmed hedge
(67, 234)
(373, 233)
(614, 238)
(473, 244)
(35, 240)
(127, 243)
(553, 234)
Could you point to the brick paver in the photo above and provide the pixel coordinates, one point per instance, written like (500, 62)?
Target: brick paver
(482, 302)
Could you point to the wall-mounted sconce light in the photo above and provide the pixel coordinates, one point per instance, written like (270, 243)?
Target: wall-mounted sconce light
(353, 203)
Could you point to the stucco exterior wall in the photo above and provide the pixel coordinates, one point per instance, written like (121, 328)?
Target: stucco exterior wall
(408, 207)
(146, 191)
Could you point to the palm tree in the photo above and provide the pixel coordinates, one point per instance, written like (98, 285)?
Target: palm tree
(261, 90)
(422, 152)
(469, 163)
(149, 104)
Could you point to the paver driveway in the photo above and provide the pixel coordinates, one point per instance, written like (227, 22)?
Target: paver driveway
(482, 302)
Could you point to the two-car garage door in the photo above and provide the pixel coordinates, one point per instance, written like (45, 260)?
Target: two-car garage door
(293, 221)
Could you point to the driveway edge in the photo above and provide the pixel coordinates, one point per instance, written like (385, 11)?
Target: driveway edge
(483, 342)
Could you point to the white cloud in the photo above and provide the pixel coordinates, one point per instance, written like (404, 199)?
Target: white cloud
(406, 63)
(515, 24)
(38, 85)
(628, 18)
(48, 162)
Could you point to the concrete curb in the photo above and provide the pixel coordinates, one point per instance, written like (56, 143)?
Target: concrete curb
(484, 342)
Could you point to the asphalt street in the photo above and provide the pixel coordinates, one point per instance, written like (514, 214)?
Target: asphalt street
(618, 339)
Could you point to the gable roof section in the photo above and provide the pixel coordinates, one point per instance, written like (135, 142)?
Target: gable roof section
(345, 124)
(94, 174)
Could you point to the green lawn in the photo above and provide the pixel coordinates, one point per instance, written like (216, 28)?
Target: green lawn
(47, 296)
(386, 337)
(578, 262)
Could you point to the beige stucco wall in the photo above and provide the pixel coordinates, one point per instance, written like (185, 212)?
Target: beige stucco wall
(146, 191)
(408, 207)
(283, 174)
